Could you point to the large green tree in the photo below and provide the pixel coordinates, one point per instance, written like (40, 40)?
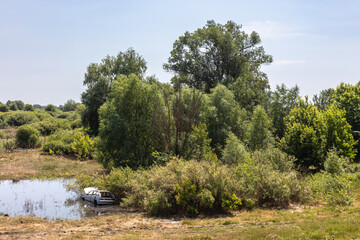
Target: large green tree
(99, 78)
(305, 134)
(259, 134)
(217, 54)
(310, 134)
(126, 133)
(223, 115)
(282, 100)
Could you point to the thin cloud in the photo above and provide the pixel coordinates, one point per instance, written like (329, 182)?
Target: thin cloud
(272, 30)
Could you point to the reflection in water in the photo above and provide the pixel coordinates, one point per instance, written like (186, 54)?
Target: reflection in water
(45, 199)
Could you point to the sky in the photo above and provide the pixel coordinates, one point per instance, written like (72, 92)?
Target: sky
(46, 46)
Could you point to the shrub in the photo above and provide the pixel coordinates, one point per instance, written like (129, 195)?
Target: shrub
(50, 108)
(9, 146)
(60, 143)
(19, 118)
(83, 146)
(27, 137)
(49, 127)
(188, 187)
(234, 151)
(334, 164)
(76, 124)
(64, 115)
(4, 107)
(13, 107)
(334, 189)
(29, 108)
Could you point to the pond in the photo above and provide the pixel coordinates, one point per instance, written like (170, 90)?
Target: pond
(48, 199)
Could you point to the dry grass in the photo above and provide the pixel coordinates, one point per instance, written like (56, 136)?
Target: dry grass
(33, 164)
(309, 223)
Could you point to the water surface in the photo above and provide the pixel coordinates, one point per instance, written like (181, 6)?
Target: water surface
(46, 199)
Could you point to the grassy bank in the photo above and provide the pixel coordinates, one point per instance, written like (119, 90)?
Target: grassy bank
(294, 223)
(33, 164)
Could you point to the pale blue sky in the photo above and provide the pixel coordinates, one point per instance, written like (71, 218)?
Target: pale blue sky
(46, 46)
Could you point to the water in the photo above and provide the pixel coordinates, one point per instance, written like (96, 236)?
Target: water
(45, 199)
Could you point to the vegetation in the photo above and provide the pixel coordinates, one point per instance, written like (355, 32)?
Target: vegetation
(215, 140)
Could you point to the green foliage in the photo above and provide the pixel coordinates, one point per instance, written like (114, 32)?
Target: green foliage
(348, 98)
(60, 143)
(83, 146)
(334, 189)
(16, 119)
(8, 146)
(100, 77)
(70, 105)
(76, 124)
(338, 132)
(335, 164)
(234, 151)
(50, 108)
(27, 137)
(259, 133)
(222, 115)
(13, 106)
(282, 100)
(325, 99)
(50, 126)
(126, 132)
(3, 108)
(216, 54)
(19, 105)
(305, 134)
(270, 179)
(29, 108)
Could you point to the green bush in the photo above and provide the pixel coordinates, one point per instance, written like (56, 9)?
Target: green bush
(76, 124)
(19, 118)
(335, 164)
(50, 108)
(188, 187)
(27, 137)
(234, 151)
(60, 143)
(334, 189)
(83, 146)
(48, 127)
(9, 146)
(29, 108)
(4, 107)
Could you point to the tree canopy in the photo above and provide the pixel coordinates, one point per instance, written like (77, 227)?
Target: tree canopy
(99, 78)
(216, 54)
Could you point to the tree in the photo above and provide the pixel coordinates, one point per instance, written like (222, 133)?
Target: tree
(50, 108)
(348, 97)
(70, 105)
(216, 54)
(324, 99)
(29, 107)
(126, 133)
(19, 104)
(13, 106)
(338, 132)
(311, 134)
(282, 100)
(305, 134)
(223, 115)
(259, 134)
(4, 107)
(99, 78)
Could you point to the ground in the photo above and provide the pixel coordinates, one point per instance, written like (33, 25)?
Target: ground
(296, 222)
